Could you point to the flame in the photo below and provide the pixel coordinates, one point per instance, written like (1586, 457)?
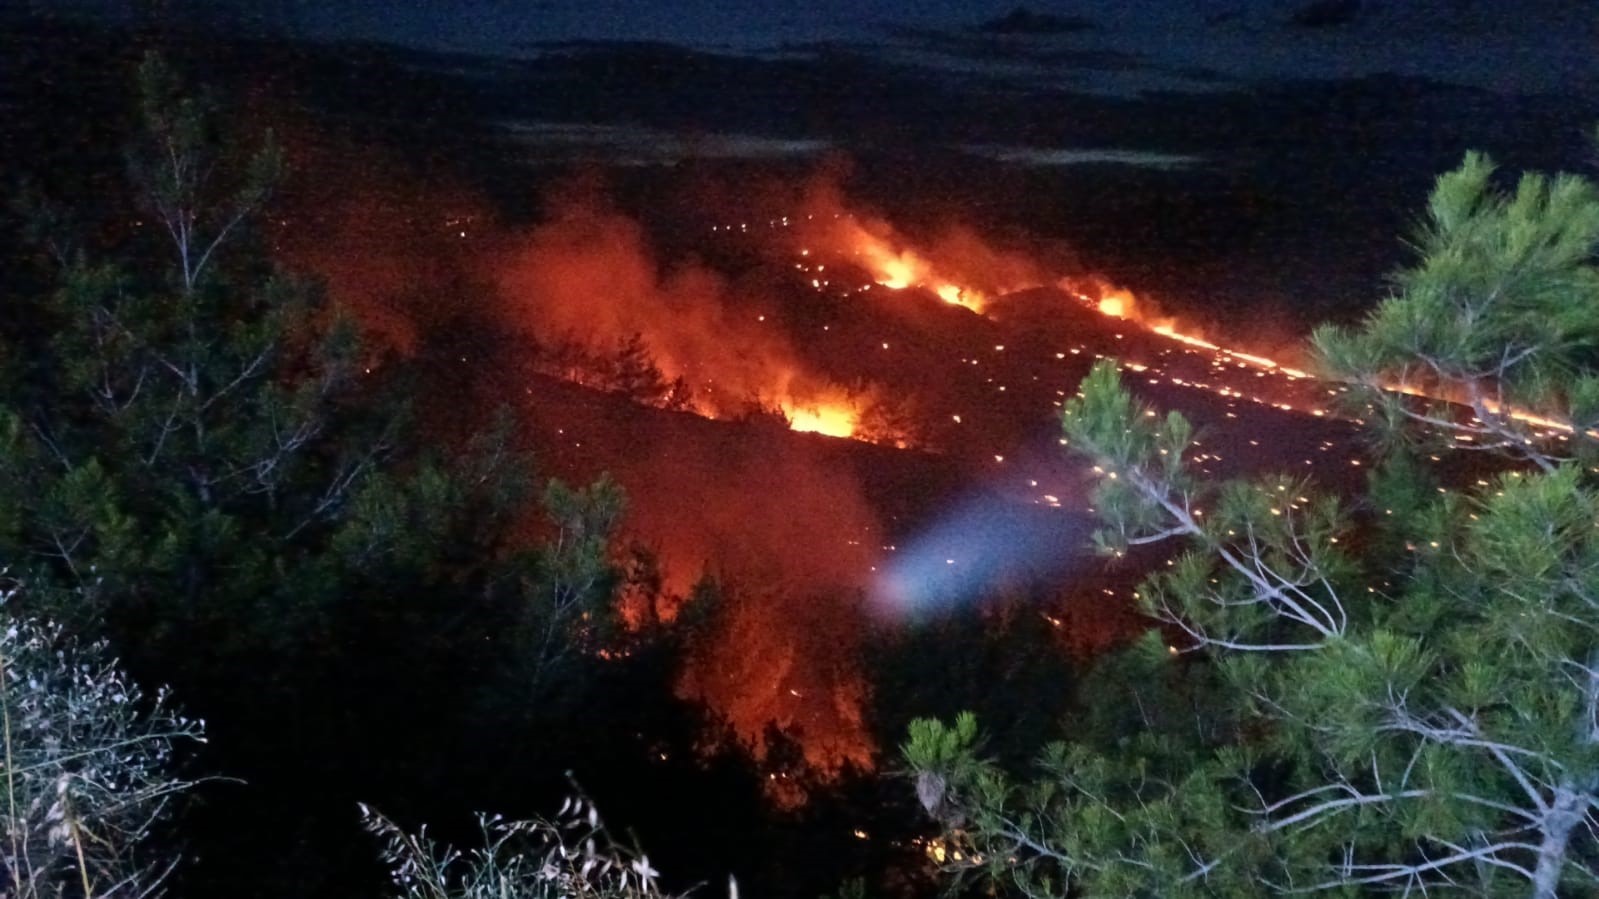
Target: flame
(960, 296)
(901, 269)
(1551, 426)
(1171, 332)
(1120, 303)
(1116, 303)
(590, 272)
(834, 419)
(967, 271)
(963, 261)
(591, 277)
(894, 271)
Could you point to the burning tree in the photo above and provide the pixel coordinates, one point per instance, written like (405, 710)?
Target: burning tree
(635, 375)
(1406, 689)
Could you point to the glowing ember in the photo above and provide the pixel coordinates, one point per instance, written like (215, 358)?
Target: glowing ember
(1259, 361)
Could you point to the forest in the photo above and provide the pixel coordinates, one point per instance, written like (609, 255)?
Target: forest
(296, 605)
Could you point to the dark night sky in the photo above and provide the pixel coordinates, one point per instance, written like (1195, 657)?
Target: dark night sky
(1521, 46)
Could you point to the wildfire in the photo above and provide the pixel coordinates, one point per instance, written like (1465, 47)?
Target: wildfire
(1552, 427)
(591, 276)
(959, 268)
(1117, 304)
(686, 337)
(901, 269)
(834, 419)
(653, 323)
(665, 332)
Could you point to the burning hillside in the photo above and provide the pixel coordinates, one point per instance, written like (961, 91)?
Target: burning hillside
(848, 503)
(950, 345)
(817, 317)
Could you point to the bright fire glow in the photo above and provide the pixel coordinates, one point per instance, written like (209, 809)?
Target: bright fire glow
(832, 419)
(1168, 331)
(1116, 303)
(892, 262)
(898, 269)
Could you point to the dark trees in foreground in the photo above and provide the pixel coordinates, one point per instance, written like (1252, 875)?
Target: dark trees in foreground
(1394, 695)
(201, 463)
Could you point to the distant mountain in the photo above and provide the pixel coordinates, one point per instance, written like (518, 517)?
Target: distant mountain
(1327, 13)
(1025, 21)
(1440, 17)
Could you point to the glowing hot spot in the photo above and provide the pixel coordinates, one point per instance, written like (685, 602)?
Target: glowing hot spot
(832, 419)
(899, 269)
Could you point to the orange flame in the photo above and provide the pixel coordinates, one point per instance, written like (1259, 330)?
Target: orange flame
(829, 419)
(1116, 303)
(900, 269)
(958, 267)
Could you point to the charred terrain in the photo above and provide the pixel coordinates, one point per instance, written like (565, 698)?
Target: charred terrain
(821, 348)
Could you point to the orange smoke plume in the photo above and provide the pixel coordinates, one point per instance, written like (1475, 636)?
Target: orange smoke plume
(956, 266)
(589, 277)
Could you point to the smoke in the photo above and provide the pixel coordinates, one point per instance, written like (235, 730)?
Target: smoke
(589, 276)
(780, 521)
(954, 263)
(785, 662)
(784, 521)
(396, 248)
(775, 518)
(1117, 301)
(790, 535)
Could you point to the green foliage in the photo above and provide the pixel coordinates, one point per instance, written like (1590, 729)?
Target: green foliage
(1003, 660)
(935, 745)
(175, 164)
(196, 450)
(1148, 495)
(1417, 714)
(200, 463)
(1500, 314)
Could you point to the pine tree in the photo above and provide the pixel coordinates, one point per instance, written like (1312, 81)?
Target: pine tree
(201, 462)
(634, 374)
(1406, 688)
